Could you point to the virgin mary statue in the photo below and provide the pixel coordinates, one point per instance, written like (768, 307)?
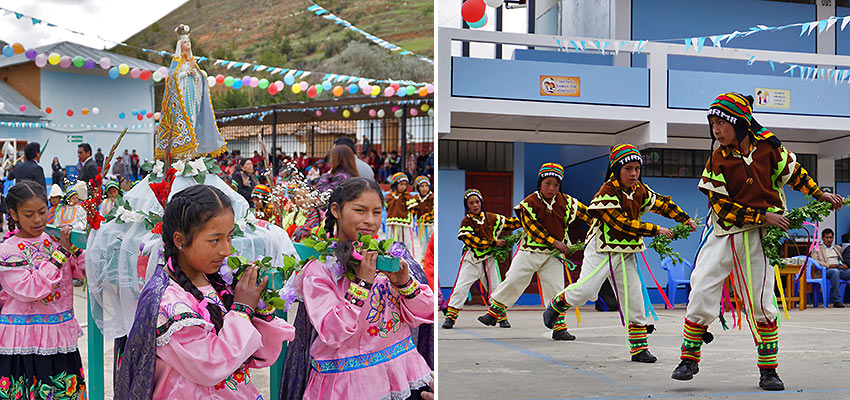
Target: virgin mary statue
(188, 120)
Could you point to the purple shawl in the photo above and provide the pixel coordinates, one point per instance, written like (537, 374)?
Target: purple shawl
(296, 368)
(135, 377)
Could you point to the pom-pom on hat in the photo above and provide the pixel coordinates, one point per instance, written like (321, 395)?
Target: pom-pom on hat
(261, 191)
(399, 177)
(421, 179)
(551, 169)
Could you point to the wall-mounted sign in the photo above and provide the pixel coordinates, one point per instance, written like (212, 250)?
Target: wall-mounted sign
(569, 86)
(74, 138)
(772, 98)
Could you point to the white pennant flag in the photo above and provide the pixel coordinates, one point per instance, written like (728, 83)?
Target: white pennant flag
(245, 66)
(616, 47)
(844, 22)
(830, 23)
(812, 26)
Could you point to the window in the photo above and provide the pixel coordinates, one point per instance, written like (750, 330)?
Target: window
(674, 163)
(476, 155)
(842, 170)
(810, 163)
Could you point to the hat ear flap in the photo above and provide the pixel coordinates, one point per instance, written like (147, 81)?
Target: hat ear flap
(749, 100)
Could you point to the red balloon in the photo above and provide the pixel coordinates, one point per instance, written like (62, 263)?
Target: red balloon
(145, 75)
(150, 115)
(219, 79)
(395, 86)
(473, 10)
(139, 116)
(311, 92)
(272, 89)
(48, 110)
(70, 113)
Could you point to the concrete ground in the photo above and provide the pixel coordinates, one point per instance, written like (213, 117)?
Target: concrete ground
(523, 362)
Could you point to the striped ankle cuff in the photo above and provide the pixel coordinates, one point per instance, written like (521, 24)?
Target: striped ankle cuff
(451, 313)
(637, 339)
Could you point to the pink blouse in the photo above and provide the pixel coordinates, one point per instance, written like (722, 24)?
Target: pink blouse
(364, 352)
(37, 297)
(195, 362)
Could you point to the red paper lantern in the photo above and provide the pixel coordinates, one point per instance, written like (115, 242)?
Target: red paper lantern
(48, 110)
(70, 113)
(473, 10)
(150, 115)
(145, 75)
(139, 116)
(272, 89)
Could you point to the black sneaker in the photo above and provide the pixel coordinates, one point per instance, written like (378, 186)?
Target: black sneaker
(645, 357)
(838, 305)
(562, 335)
(686, 370)
(550, 316)
(448, 323)
(769, 380)
(487, 319)
(504, 324)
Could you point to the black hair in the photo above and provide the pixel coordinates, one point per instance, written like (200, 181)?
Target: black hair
(845, 238)
(394, 185)
(466, 202)
(346, 191)
(85, 146)
(21, 192)
(188, 211)
(347, 141)
(31, 150)
(827, 231)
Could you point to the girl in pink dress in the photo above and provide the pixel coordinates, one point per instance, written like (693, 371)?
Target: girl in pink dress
(195, 336)
(38, 332)
(364, 347)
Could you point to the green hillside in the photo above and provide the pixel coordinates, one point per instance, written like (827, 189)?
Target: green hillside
(284, 34)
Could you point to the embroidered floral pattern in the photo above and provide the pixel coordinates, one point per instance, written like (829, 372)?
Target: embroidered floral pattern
(380, 313)
(62, 386)
(242, 375)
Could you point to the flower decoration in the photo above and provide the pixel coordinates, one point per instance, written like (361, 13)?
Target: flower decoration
(162, 189)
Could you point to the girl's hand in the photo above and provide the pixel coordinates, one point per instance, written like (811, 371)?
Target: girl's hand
(247, 291)
(666, 232)
(500, 243)
(835, 199)
(401, 276)
(692, 224)
(777, 220)
(366, 269)
(65, 237)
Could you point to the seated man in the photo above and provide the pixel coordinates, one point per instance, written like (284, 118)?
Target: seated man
(845, 244)
(829, 257)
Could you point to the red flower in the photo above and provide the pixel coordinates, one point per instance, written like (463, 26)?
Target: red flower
(219, 385)
(46, 243)
(373, 331)
(21, 246)
(389, 325)
(162, 189)
(157, 228)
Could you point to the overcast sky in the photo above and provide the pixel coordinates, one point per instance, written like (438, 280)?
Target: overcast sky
(111, 19)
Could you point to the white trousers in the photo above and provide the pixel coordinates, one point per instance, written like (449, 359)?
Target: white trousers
(486, 271)
(549, 269)
(425, 234)
(595, 269)
(402, 234)
(714, 262)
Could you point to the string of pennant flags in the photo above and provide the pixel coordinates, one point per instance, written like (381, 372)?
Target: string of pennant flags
(321, 11)
(9, 51)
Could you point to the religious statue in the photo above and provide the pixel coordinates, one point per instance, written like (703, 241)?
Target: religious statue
(187, 128)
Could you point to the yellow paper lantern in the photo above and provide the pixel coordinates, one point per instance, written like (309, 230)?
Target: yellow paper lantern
(54, 58)
(376, 90)
(346, 113)
(425, 107)
(123, 69)
(296, 89)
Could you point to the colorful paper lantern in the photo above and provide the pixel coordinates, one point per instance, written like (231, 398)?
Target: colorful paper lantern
(389, 91)
(8, 51)
(381, 113)
(47, 110)
(123, 69)
(89, 63)
(84, 111)
(373, 113)
(69, 113)
(105, 62)
(311, 92)
(423, 92)
(18, 48)
(272, 90)
(95, 110)
(219, 79)
(30, 54)
(337, 91)
(78, 61)
(228, 81)
(145, 75)
(346, 113)
(23, 108)
(40, 60)
(211, 81)
(263, 83)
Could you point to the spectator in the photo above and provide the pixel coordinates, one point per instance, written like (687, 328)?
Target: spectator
(362, 168)
(29, 168)
(829, 256)
(421, 159)
(395, 163)
(845, 253)
(98, 158)
(58, 177)
(374, 161)
(386, 167)
(88, 167)
(244, 179)
(126, 161)
(342, 167)
(256, 159)
(313, 172)
(134, 166)
(118, 168)
(142, 172)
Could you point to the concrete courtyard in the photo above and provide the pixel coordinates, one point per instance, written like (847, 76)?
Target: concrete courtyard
(523, 362)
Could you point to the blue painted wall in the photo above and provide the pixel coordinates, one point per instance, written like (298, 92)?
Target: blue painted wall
(842, 220)
(696, 90)
(685, 19)
(483, 78)
(450, 185)
(842, 38)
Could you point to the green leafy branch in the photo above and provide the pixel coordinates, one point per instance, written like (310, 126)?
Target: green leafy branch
(661, 244)
(814, 211)
(277, 276)
(502, 253)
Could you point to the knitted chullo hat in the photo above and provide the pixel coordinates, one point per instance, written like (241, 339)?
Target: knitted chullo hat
(421, 179)
(399, 177)
(469, 193)
(71, 192)
(551, 169)
(110, 185)
(261, 191)
(737, 109)
(621, 154)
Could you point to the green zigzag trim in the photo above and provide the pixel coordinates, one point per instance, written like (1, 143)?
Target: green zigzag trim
(712, 176)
